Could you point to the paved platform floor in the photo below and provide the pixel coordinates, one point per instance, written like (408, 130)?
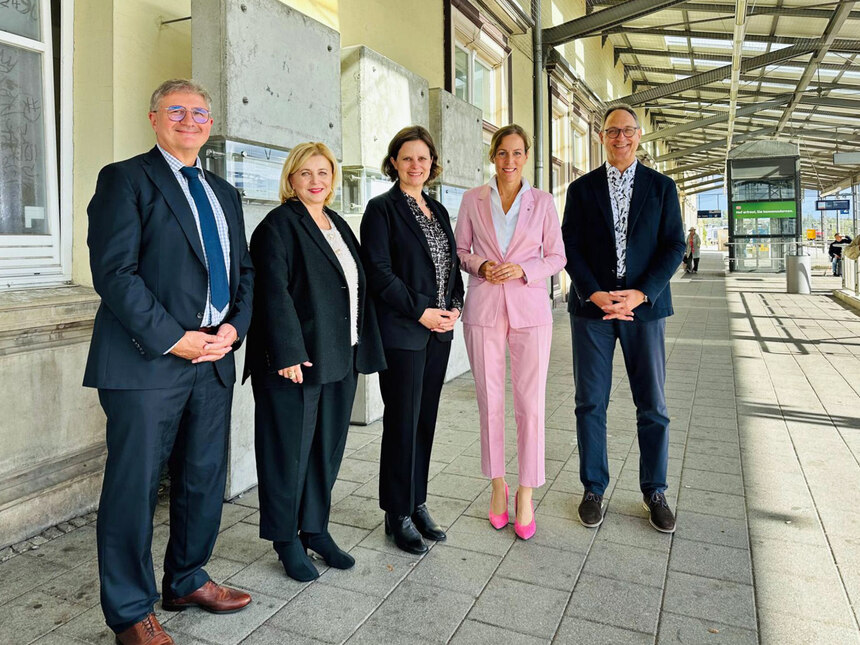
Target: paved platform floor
(764, 393)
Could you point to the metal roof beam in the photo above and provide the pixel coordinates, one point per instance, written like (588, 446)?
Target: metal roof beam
(843, 45)
(599, 22)
(696, 166)
(712, 145)
(786, 12)
(830, 32)
(719, 118)
(718, 74)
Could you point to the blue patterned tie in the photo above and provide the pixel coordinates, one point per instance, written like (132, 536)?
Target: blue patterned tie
(220, 290)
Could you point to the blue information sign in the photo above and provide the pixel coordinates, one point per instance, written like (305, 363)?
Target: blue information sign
(709, 214)
(832, 204)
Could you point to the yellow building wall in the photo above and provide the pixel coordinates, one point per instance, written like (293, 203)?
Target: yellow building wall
(411, 33)
(325, 11)
(122, 53)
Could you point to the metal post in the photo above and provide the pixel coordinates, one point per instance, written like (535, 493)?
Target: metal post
(537, 89)
(855, 191)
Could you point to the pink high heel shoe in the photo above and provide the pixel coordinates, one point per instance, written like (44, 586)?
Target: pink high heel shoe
(527, 531)
(500, 521)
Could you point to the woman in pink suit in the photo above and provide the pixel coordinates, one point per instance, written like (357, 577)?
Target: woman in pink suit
(509, 241)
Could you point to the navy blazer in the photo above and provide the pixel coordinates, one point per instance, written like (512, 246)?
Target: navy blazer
(148, 267)
(400, 269)
(655, 241)
(301, 306)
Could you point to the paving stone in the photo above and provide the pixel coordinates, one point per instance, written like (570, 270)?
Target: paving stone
(707, 502)
(457, 486)
(378, 541)
(718, 600)
(471, 632)
(358, 471)
(538, 609)
(89, 627)
(21, 574)
(788, 627)
(253, 518)
(241, 543)
(266, 635)
(445, 510)
(375, 573)
(233, 513)
(249, 498)
(357, 511)
(787, 592)
(622, 604)
(632, 531)
(711, 561)
(684, 630)
(476, 534)
(225, 628)
(56, 638)
(423, 611)
(576, 631)
(558, 505)
(560, 533)
(714, 463)
(542, 565)
(711, 481)
(34, 614)
(456, 569)
(267, 576)
(627, 563)
(374, 632)
(78, 586)
(68, 550)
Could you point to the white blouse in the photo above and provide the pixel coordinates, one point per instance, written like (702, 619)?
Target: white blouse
(350, 271)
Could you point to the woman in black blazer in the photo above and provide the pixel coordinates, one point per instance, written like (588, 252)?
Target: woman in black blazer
(413, 274)
(312, 331)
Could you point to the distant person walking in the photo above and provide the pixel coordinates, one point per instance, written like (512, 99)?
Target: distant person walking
(835, 252)
(692, 251)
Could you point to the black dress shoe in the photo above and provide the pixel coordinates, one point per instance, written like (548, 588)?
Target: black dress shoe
(325, 545)
(426, 525)
(297, 564)
(406, 536)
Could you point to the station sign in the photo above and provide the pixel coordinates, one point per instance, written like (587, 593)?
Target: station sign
(832, 204)
(706, 214)
(771, 210)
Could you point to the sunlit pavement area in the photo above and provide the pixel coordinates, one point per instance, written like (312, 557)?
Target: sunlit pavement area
(763, 394)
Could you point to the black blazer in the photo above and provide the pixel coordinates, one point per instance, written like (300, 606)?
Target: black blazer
(301, 305)
(147, 265)
(400, 271)
(655, 241)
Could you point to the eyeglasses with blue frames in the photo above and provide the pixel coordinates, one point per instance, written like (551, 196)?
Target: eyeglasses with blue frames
(178, 112)
(628, 132)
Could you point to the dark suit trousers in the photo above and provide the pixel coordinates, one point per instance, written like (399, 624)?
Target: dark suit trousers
(644, 348)
(300, 436)
(410, 389)
(187, 427)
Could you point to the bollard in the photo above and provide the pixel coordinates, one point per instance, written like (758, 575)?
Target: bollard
(798, 273)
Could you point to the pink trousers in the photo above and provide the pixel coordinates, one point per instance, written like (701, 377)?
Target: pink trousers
(529, 349)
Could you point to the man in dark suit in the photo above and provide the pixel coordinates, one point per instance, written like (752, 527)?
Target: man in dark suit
(624, 239)
(170, 262)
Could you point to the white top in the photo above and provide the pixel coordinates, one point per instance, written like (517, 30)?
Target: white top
(350, 271)
(505, 223)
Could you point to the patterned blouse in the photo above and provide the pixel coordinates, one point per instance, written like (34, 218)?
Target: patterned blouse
(350, 272)
(620, 192)
(440, 251)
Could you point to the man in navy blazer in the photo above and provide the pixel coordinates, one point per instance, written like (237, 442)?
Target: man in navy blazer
(624, 239)
(170, 262)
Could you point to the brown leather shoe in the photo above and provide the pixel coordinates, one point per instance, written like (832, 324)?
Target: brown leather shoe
(216, 599)
(146, 632)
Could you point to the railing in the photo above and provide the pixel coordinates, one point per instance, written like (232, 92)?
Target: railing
(765, 254)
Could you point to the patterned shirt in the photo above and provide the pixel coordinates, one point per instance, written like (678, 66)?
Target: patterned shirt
(350, 272)
(620, 192)
(211, 316)
(440, 251)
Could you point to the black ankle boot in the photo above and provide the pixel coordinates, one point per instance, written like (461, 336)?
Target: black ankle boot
(297, 564)
(323, 544)
(426, 525)
(406, 536)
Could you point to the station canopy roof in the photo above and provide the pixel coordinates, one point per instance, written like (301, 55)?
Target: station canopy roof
(758, 69)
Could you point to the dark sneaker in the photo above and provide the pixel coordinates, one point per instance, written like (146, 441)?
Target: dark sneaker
(661, 517)
(591, 509)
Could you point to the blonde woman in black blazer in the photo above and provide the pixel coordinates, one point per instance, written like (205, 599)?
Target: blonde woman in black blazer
(312, 331)
(413, 273)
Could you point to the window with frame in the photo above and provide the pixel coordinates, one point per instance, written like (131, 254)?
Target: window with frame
(480, 70)
(30, 250)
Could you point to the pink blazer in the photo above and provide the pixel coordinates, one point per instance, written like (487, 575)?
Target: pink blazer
(536, 246)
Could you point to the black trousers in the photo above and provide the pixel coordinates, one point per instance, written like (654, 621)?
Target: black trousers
(300, 434)
(410, 388)
(187, 427)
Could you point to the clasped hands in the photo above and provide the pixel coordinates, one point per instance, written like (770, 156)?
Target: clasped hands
(618, 305)
(439, 320)
(200, 347)
(496, 273)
